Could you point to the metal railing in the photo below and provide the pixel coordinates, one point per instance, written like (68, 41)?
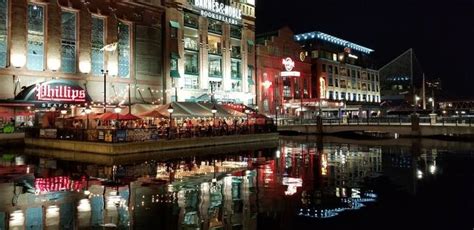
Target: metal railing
(144, 134)
(423, 121)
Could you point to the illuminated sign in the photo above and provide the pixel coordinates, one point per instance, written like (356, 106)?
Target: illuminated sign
(289, 64)
(353, 56)
(220, 11)
(47, 92)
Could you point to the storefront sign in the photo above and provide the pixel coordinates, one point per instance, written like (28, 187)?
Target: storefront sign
(48, 92)
(219, 11)
(289, 64)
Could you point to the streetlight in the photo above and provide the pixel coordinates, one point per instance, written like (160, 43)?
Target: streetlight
(105, 72)
(63, 114)
(117, 110)
(432, 104)
(214, 111)
(87, 111)
(170, 111)
(247, 111)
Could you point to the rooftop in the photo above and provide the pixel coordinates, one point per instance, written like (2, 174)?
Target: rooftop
(332, 39)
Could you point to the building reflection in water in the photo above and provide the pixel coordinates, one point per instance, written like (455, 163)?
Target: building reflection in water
(296, 180)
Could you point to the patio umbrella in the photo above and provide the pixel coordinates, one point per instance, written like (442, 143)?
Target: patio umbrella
(128, 117)
(154, 114)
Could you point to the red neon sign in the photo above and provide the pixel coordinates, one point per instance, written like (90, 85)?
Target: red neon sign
(47, 92)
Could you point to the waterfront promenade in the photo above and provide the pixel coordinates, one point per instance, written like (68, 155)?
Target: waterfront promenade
(392, 127)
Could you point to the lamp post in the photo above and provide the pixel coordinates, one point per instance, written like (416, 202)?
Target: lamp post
(63, 114)
(214, 111)
(432, 104)
(88, 111)
(105, 72)
(117, 110)
(247, 111)
(170, 111)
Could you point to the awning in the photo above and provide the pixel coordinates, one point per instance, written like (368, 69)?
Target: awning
(250, 42)
(174, 24)
(194, 109)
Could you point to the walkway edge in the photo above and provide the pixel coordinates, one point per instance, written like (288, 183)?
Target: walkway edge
(148, 146)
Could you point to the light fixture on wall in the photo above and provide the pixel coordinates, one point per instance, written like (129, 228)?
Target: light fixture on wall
(17, 60)
(54, 64)
(85, 67)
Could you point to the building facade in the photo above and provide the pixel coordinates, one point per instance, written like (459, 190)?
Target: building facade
(285, 95)
(343, 75)
(78, 42)
(209, 51)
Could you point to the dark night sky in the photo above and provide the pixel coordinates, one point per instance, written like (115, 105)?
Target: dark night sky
(440, 32)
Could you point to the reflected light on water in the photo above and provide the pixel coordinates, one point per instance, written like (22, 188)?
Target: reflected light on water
(17, 219)
(84, 205)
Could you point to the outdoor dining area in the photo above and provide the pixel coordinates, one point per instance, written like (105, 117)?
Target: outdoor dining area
(145, 123)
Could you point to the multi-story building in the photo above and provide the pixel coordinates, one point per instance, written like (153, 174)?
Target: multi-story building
(209, 50)
(342, 72)
(290, 94)
(65, 45)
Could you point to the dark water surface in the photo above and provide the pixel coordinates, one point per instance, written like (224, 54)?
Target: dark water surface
(301, 184)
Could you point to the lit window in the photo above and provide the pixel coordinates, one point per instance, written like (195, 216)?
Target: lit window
(191, 63)
(123, 50)
(235, 69)
(3, 32)
(334, 57)
(68, 42)
(35, 39)
(215, 66)
(97, 55)
(214, 43)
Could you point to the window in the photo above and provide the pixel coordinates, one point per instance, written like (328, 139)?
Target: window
(190, 39)
(191, 20)
(331, 96)
(215, 66)
(236, 85)
(215, 26)
(250, 45)
(336, 82)
(3, 32)
(214, 43)
(324, 68)
(353, 73)
(235, 53)
(236, 32)
(364, 97)
(343, 95)
(330, 79)
(68, 42)
(97, 55)
(123, 50)
(191, 63)
(334, 57)
(235, 69)
(191, 82)
(174, 66)
(342, 83)
(250, 76)
(336, 96)
(314, 54)
(174, 26)
(336, 70)
(35, 39)
(354, 97)
(329, 68)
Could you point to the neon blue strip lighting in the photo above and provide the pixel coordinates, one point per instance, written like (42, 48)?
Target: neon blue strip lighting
(332, 39)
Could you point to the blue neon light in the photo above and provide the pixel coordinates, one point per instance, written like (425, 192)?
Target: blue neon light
(332, 39)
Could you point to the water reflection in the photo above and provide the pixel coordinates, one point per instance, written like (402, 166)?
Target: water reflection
(262, 188)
